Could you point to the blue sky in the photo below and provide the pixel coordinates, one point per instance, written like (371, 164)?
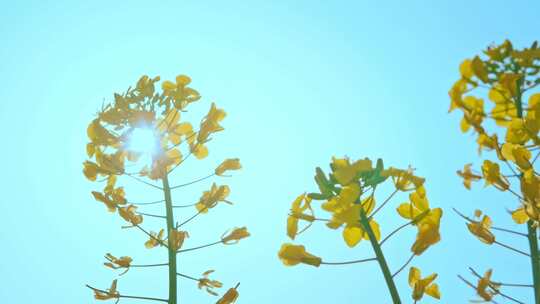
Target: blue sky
(301, 82)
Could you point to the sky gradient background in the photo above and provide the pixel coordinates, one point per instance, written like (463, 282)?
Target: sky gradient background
(302, 81)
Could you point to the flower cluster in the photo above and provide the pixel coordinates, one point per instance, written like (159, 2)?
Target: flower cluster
(348, 195)
(169, 141)
(496, 95)
(509, 76)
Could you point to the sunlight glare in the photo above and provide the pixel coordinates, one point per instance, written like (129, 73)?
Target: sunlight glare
(143, 140)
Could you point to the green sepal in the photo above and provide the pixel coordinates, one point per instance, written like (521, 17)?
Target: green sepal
(374, 177)
(319, 196)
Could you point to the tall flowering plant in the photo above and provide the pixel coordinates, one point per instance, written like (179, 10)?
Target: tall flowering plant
(144, 125)
(348, 195)
(497, 94)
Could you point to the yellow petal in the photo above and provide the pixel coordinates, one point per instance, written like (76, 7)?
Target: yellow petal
(228, 164)
(352, 235)
(520, 216)
(183, 80)
(407, 211)
(376, 229)
(292, 226)
(200, 151)
(168, 85)
(414, 276)
(433, 290)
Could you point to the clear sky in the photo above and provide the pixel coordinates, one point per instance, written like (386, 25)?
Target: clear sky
(302, 81)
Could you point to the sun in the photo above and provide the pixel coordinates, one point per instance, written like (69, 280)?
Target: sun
(143, 140)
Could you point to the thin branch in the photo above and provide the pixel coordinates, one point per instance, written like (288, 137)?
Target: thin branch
(494, 228)
(151, 236)
(143, 181)
(516, 194)
(382, 205)
(193, 182)
(404, 265)
(500, 283)
(150, 203)
(509, 231)
(472, 286)
(151, 215)
(162, 201)
(128, 297)
(184, 206)
(497, 291)
(150, 265)
(182, 141)
(395, 231)
(191, 218)
(180, 162)
(187, 276)
(349, 262)
(535, 158)
(511, 248)
(495, 242)
(511, 168)
(199, 247)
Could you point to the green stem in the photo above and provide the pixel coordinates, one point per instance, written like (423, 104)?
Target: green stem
(171, 250)
(380, 257)
(531, 229)
(535, 262)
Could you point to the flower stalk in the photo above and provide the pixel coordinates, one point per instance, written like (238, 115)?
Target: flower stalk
(380, 258)
(173, 297)
(531, 228)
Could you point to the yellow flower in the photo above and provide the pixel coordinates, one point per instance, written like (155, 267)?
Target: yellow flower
(504, 110)
(91, 170)
(128, 214)
(210, 124)
(481, 229)
(465, 69)
(210, 198)
(473, 113)
(208, 284)
(530, 187)
(428, 231)
(111, 293)
(345, 172)
(345, 211)
(176, 238)
(179, 131)
(484, 283)
(517, 154)
(479, 69)
(179, 92)
(116, 263)
(228, 164)
(111, 206)
(423, 286)
(347, 196)
(418, 204)
(468, 176)
(404, 180)
(297, 213)
(493, 176)
(236, 235)
(517, 133)
(292, 255)
(520, 216)
(155, 239)
(99, 135)
(509, 82)
(456, 92)
(499, 52)
(229, 297)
